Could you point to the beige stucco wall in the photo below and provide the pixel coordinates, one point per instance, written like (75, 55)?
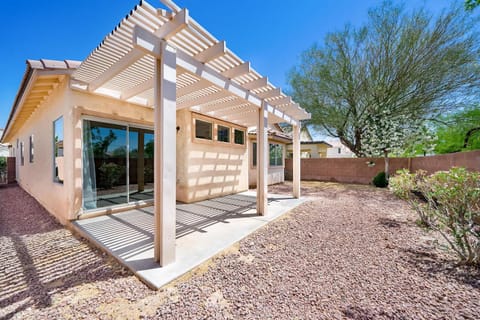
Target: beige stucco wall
(204, 169)
(104, 109)
(208, 169)
(37, 178)
(276, 174)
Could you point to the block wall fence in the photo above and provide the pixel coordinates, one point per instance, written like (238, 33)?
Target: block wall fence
(357, 170)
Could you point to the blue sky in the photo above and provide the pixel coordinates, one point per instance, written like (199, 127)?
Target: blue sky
(270, 34)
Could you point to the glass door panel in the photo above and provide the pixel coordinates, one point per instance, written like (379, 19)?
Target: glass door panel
(141, 164)
(104, 164)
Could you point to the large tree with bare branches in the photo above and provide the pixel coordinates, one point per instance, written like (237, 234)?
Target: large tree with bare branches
(409, 62)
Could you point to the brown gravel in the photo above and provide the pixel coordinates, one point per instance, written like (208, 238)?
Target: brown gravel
(352, 252)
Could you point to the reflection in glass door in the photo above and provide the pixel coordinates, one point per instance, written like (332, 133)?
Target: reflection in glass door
(140, 162)
(117, 164)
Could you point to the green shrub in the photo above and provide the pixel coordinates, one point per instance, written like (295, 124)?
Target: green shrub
(380, 180)
(3, 163)
(449, 203)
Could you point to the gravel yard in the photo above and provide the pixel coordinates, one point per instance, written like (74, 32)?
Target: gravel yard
(352, 252)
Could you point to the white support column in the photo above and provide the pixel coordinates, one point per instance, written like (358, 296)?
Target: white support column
(165, 155)
(262, 160)
(296, 161)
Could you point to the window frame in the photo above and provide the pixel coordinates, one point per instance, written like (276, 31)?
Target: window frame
(31, 148)
(216, 123)
(254, 159)
(195, 129)
(229, 129)
(56, 178)
(235, 130)
(22, 154)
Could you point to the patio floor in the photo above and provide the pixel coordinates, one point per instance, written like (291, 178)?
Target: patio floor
(204, 229)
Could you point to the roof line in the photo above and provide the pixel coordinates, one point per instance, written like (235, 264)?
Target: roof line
(33, 65)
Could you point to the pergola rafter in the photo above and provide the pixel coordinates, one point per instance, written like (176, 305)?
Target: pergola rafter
(120, 66)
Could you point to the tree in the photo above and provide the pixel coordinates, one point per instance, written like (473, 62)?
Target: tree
(459, 131)
(387, 133)
(410, 63)
(471, 4)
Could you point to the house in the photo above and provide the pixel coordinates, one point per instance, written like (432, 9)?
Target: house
(277, 143)
(4, 151)
(157, 113)
(338, 150)
(309, 147)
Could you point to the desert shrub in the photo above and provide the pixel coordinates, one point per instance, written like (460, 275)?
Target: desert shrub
(406, 186)
(449, 202)
(380, 180)
(110, 174)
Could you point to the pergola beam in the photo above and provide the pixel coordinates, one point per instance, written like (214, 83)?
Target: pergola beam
(281, 101)
(269, 94)
(212, 53)
(165, 156)
(237, 71)
(296, 161)
(262, 163)
(202, 99)
(256, 84)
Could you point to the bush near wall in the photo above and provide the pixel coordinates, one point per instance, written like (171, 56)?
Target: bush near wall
(447, 202)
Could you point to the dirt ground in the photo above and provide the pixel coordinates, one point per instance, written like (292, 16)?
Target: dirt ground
(351, 252)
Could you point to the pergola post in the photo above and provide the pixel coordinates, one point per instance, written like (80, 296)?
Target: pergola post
(262, 160)
(296, 161)
(165, 155)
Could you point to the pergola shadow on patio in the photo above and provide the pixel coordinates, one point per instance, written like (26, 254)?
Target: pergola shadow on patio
(203, 229)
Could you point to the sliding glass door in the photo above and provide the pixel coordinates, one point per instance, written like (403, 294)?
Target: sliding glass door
(140, 159)
(117, 164)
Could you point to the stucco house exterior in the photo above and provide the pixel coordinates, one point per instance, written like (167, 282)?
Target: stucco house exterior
(157, 113)
(309, 148)
(338, 150)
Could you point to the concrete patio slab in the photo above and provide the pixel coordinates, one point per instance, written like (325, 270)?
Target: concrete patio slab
(203, 229)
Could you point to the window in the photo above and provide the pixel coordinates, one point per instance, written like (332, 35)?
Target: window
(223, 133)
(22, 152)
(203, 129)
(239, 136)
(31, 148)
(254, 154)
(276, 154)
(339, 150)
(58, 150)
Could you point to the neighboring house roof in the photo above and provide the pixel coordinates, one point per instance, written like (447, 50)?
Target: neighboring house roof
(304, 132)
(273, 132)
(317, 142)
(42, 76)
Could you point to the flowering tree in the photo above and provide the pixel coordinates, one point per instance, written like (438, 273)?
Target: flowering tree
(386, 133)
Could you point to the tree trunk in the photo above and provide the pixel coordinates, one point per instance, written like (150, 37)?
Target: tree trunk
(387, 164)
(468, 135)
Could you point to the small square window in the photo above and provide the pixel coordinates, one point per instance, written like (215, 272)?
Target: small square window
(223, 133)
(203, 129)
(239, 136)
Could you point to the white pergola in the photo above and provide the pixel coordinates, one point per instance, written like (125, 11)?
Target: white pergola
(166, 60)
